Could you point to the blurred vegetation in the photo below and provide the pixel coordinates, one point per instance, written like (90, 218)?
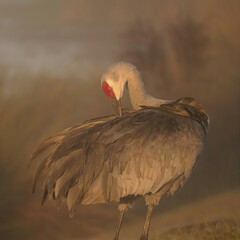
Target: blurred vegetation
(169, 60)
(217, 230)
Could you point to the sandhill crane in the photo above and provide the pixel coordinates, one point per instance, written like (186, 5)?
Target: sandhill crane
(147, 152)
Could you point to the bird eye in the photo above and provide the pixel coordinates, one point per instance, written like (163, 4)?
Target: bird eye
(108, 90)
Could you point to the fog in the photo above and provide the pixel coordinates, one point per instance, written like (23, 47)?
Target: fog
(52, 55)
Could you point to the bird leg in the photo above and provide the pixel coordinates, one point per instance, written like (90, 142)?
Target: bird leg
(122, 209)
(146, 226)
(151, 201)
(121, 214)
(124, 204)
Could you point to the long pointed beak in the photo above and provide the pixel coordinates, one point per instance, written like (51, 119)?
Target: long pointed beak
(117, 106)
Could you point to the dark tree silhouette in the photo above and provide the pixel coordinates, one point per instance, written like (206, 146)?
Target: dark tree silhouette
(164, 59)
(190, 44)
(144, 48)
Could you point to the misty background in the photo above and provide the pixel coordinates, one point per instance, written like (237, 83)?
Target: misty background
(52, 55)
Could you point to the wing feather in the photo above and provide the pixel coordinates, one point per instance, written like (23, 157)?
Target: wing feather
(108, 158)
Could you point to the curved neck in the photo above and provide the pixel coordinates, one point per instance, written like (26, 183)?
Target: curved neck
(137, 92)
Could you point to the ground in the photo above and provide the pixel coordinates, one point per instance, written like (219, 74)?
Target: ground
(212, 218)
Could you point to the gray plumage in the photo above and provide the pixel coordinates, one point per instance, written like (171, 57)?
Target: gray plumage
(109, 158)
(146, 152)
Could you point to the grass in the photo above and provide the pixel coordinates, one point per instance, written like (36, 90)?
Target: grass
(226, 229)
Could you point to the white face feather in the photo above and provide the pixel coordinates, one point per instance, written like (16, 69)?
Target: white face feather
(117, 75)
(116, 82)
(117, 87)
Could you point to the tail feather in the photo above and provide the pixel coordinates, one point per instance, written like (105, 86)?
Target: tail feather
(66, 181)
(44, 195)
(41, 166)
(46, 144)
(73, 197)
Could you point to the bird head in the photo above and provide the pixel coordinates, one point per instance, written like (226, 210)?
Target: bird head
(113, 82)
